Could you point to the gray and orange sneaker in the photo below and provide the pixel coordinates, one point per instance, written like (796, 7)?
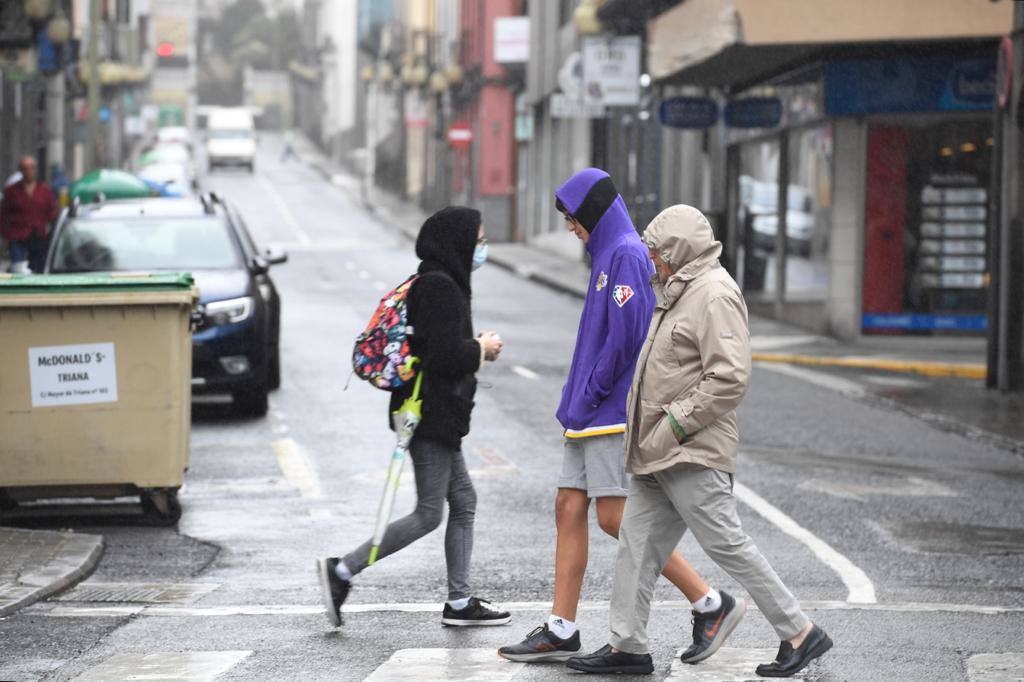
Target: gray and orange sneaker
(710, 630)
(542, 646)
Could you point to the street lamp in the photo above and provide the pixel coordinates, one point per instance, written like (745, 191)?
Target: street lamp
(437, 83)
(37, 10)
(58, 30)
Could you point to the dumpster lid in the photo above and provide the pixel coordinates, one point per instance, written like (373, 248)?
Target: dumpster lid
(93, 282)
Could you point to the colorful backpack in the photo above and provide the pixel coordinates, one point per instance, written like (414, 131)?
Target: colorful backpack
(381, 354)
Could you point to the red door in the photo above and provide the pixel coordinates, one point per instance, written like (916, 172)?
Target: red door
(885, 219)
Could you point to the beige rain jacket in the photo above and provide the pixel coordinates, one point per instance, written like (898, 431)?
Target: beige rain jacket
(695, 364)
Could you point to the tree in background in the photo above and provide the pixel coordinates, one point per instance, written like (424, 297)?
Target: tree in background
(245, 35)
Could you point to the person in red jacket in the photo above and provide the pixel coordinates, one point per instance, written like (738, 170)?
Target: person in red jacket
(28, 209)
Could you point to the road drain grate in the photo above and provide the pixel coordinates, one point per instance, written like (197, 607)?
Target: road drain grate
(139, 593)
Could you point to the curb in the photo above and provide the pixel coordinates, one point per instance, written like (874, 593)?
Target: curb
(931, 369)
(538, 276)
(79, 555)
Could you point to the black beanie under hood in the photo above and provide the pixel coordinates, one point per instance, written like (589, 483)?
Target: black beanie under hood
(447, 241)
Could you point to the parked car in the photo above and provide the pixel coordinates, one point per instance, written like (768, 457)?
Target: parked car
(172, 179)
(235, 348)
(231, 138)
(174, 135)
(759, 202)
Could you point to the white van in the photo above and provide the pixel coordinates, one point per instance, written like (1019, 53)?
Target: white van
(231, 138)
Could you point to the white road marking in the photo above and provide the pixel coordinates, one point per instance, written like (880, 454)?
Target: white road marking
(296, 467)
(434, 607)
(833, 383)
(728, 665)
(1000, 667)
(456, 665)
(285, 211)
(762, 343)
(363, 274)
(349, 265)
(859, 586)
(525, 372)
(172, 665)
(912, 487)
(895, 382)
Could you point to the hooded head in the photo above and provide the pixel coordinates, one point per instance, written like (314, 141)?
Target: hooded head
(590, 197)
(447, 241)
(682, 236)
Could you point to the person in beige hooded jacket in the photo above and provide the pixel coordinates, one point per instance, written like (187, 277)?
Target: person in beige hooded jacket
(681, 442)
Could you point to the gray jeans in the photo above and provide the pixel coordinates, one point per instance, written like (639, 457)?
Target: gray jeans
(659, 509)
(440, 474)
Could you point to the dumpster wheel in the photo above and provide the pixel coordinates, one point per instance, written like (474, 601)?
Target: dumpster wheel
(161, 506)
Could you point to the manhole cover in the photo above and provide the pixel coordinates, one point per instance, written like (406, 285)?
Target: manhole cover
(953, 538)
(139, 593)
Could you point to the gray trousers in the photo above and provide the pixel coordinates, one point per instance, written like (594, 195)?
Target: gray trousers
(440, 475)
(659, 509)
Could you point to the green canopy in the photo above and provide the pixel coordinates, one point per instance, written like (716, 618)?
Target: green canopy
(112, 184)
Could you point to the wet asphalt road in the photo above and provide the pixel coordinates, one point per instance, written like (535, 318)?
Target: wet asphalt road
(932, 522)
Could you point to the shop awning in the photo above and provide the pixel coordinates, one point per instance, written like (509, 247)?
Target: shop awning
(723, 43)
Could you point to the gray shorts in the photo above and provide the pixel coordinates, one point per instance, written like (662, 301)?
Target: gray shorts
(597, 465)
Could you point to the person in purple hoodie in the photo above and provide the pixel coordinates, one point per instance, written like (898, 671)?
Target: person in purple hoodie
(613, 327)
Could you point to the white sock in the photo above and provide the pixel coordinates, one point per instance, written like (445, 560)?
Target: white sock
(459, 604)
(712, 601)
(561, 627)
(341, 570)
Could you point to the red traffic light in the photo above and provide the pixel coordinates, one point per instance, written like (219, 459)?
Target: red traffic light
(165, 50)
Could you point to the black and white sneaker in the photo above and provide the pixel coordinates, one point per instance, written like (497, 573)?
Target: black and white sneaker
(477, 612)
(333, 589)
(542, 646)
(710, 630)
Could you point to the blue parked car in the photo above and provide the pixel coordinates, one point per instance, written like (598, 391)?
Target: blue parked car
(235, 348)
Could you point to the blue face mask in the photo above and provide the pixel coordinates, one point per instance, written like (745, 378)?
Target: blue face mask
(479, 256)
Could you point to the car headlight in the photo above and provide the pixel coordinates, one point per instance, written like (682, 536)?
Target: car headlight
(230, 311)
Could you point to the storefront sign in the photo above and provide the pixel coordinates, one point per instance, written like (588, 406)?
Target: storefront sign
(754, 112)
(72, 375)
(611, 71)
(897, 321)
(913, 85)
(563, 106)
(512, 40)
(688, 112)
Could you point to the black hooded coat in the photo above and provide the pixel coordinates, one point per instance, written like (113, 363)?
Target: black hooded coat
(441, 317)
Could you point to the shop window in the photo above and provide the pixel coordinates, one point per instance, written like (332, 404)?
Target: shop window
(757, 211)
(925, 254)
(808, 214)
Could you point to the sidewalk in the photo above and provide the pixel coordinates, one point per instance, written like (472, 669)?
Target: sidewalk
(35, 564)
(945, 386)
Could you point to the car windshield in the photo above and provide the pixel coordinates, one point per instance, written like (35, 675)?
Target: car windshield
(230, 134)
(145, 243)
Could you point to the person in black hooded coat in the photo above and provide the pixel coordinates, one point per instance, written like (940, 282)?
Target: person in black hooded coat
(450, 245)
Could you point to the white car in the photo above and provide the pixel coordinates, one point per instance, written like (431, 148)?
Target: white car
(174, 178)
(231, 138)
(174, 135)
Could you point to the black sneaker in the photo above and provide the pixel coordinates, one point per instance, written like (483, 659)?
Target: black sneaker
(542, 646)
(605, 661)
(333, 589)
(710, 630)
(477, 612)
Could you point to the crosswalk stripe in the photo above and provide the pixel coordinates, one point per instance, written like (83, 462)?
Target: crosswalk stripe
(451, 665)
(432, 607)
(172, 665)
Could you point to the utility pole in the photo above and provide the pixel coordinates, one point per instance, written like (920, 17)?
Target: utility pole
(91, 160)
(1006, 293)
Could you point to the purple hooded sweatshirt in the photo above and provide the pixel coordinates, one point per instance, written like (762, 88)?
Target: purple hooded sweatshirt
(616, 313)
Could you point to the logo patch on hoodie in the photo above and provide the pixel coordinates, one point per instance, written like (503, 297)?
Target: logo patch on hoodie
(622, 293)
(602, 281)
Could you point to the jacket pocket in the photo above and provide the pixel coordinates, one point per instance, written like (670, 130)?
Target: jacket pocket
(656, 437)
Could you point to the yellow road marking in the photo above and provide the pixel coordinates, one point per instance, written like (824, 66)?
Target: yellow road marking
(963, 370)
(295, 466)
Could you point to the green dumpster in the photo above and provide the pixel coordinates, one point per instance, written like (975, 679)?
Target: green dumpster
(96, 387)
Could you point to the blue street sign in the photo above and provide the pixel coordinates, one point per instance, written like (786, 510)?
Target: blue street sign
(104, 114)
(924, 322)
(688, 112)
(754, 112)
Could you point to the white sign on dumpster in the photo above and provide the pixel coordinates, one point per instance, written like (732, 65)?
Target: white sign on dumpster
(73, 375)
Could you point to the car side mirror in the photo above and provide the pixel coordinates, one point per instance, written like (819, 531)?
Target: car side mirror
(275, 256)
(259, 265)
